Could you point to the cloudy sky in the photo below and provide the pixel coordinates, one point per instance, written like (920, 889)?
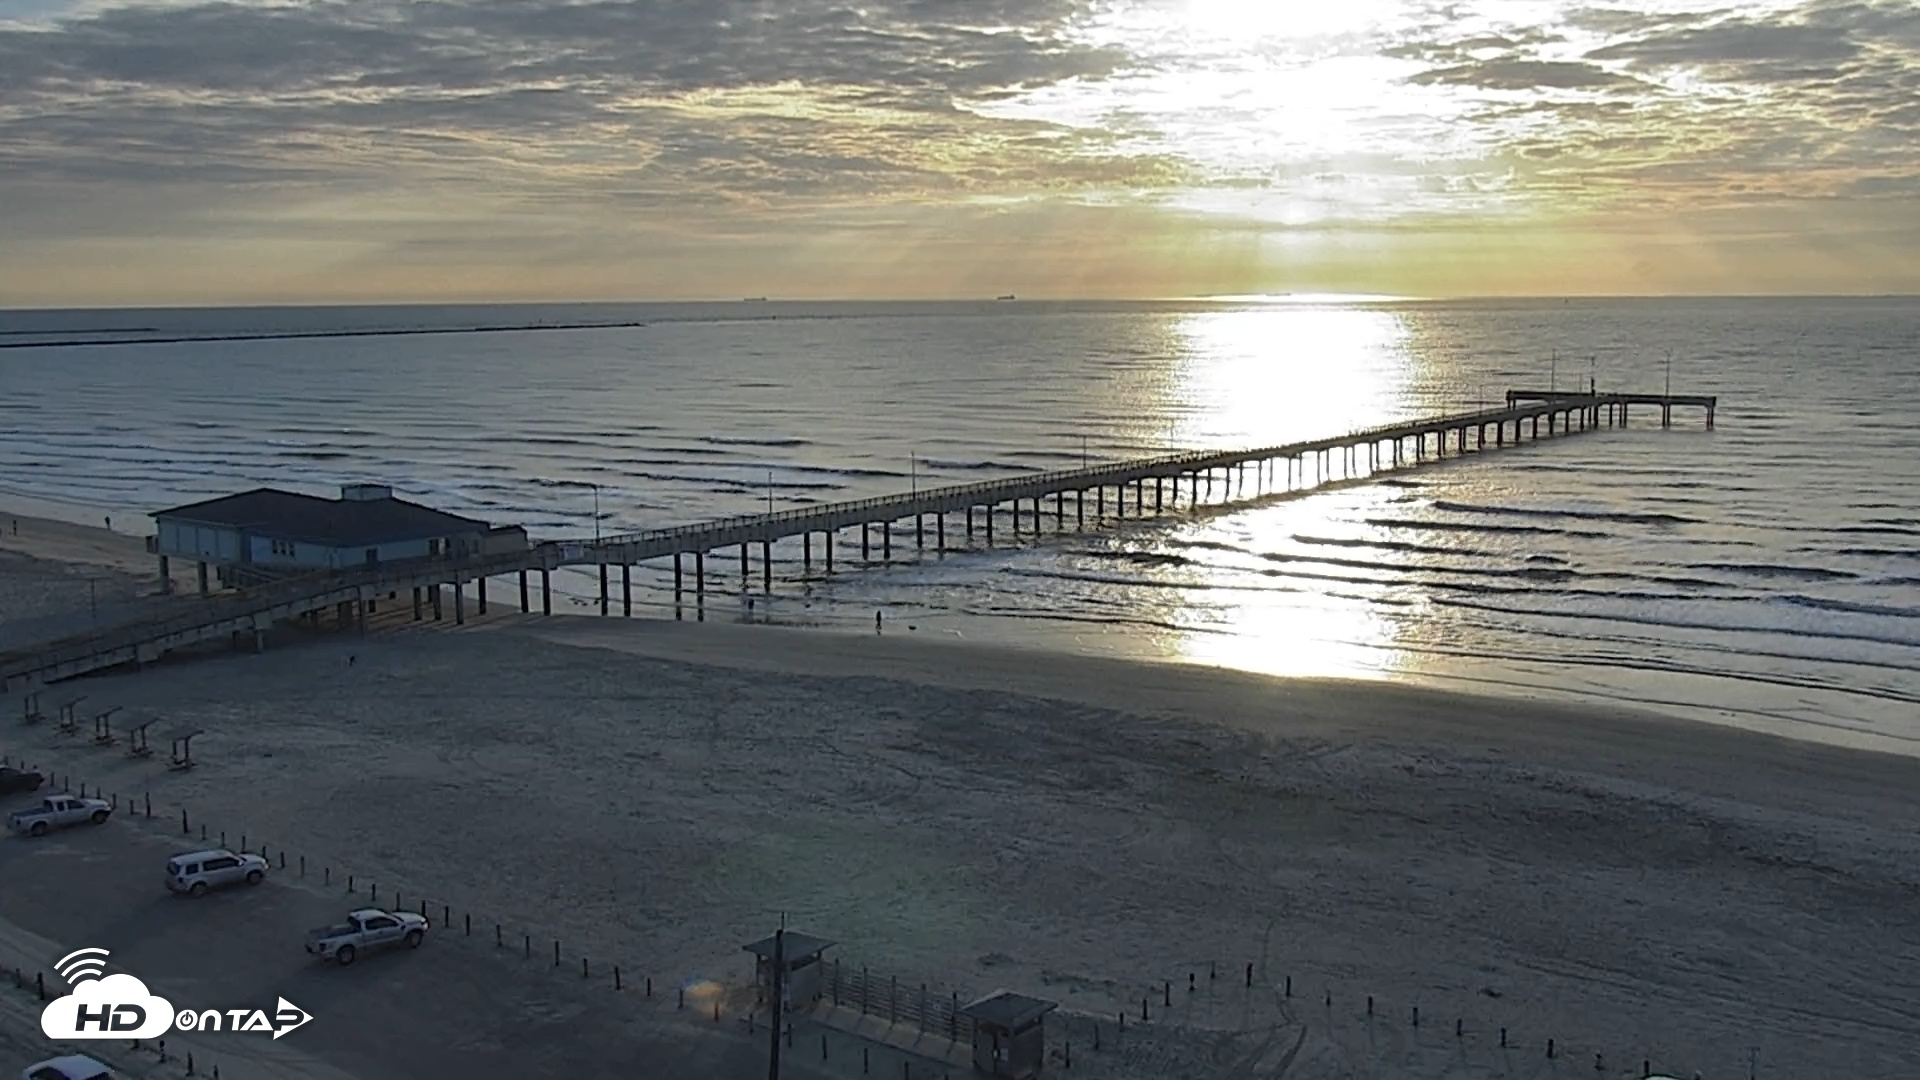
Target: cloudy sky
(247, 151)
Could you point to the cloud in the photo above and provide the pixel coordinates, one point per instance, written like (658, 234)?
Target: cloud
(122, 1000)
(1510, 74)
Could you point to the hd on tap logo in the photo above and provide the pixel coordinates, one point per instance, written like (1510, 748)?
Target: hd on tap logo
(120, 1006)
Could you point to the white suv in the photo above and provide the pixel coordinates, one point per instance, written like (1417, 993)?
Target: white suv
(72, 1067)
(197, 871)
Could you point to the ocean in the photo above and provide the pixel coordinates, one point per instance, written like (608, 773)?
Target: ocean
(1765, 574)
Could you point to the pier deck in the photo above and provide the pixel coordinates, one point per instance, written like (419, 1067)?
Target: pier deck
(1156, 484)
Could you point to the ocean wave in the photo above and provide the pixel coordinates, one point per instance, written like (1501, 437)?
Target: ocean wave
(1623, 517)
(1407, 546)
(1484, 527)
(1675, 623)
(731, 440)
(976, 466)
(1850, 607)
(1771, 570)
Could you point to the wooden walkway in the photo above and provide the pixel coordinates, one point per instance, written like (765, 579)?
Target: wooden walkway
(1136, 488)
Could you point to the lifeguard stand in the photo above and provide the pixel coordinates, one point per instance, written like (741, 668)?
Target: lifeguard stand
(1009, 1033)
(800, 956)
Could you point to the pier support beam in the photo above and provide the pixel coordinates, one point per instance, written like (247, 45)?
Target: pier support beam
(766, 566)
(806, 553)
(1036, 515)
(866, 548)
(166, 577)
(745, 570)
(940, 532)
(546, 591)
(830, 536)
(459, 604)
(990, 526)
(626, 591)
(919, 532)
(700, 586)
(969, 524)
(481, 584)
(603, 588)
(886, 541)
(203, 579)
(677, 578)
(438, 612)
(416, 603)
(1080, 508)
(526, 607)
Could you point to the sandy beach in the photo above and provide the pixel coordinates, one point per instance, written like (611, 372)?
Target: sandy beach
(1086, 830)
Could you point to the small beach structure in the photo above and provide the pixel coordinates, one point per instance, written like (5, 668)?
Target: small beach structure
(267, 533)
(800, 957)
(1009, 1033)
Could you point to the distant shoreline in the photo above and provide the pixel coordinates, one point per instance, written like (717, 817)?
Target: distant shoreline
(281, 335)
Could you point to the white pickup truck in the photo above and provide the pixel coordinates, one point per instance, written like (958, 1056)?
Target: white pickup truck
(58, 812)
(367, 928)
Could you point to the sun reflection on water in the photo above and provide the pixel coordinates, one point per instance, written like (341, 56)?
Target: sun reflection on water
(1277, 375)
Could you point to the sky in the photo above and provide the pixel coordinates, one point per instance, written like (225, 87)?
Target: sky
(161, 152)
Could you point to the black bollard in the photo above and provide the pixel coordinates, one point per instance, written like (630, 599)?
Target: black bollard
(326, 875)
(203, 830)
(1289, 986)
(1503, 1038)
(1066, 1059)
(1249, 974)
(683, 998)
(866, 1058)
(583, 967)
(649, 986)
(497, 942)
(223, 837)
(1369, 1004)
(1166, 994)
(1459, 1027)
(468, 917)
(373, 892)
(1190, 987)
(1143, 1010)
(616, 976)
(147, 797)
(184, 830)
(1597, 1066)
(446, 915)
(283, 858)
(526, 946)
(556, 952)
(1416, 1016)
(40, 984)
(1212, 971)
(1549, 1048)
(349, 882)
(189, 1063)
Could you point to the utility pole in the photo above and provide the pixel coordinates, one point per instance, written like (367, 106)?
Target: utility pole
(779, 1000)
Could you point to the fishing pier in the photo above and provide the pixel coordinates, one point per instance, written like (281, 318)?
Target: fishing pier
(1023, 506)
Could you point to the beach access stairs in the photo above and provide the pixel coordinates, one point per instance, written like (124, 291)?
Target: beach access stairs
(1208, 476)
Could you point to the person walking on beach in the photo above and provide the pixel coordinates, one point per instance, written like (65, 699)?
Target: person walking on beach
(876, 622)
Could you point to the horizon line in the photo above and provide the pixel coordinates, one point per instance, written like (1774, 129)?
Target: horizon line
(1276, 299)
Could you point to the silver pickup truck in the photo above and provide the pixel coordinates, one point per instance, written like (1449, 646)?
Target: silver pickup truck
(58, 812)
(367, 928)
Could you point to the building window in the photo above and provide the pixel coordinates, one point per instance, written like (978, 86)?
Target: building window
(283, 547)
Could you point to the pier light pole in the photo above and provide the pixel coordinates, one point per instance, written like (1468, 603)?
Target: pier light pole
(913, 473)
(1553, 372)
(1083, 451)
(769, 492)
(596, 512)
(1669, 392)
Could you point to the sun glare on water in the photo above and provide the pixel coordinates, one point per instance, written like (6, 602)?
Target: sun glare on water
(1267, 376)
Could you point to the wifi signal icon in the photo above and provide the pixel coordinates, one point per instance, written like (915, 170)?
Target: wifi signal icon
(82, 965)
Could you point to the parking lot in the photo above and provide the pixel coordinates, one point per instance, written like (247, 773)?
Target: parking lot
(457, 1007)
